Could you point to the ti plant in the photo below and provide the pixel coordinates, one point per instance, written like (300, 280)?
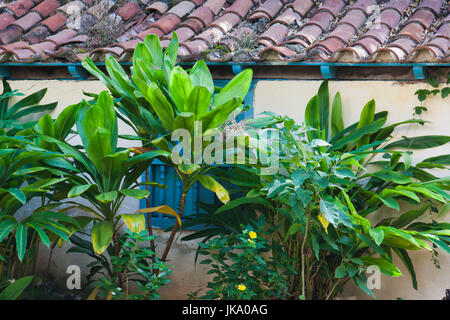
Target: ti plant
(161, 99)
(100, 171)
(23, 177)
(11, 114)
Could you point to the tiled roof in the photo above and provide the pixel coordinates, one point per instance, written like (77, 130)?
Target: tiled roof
(234, 30)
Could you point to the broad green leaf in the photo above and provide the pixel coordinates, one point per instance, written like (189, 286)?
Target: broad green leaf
(220, 114)
(162, 209)
(21, 240)
(337, 124)
(340, 272)
(134, 222)
(18, 194)
(78, 190)
(30, 100)
(312, 118)
(393, 176)
(356, 134)
(442, 159)
(409, 217)
(180, 87)
(211, 184)
(390, 202)
(333, 213)
(403, 255)
(237, 88)
(106, 197)
(198, 101)
(422, 142)
(384, 265)
(201, 76)
(377, 235)
(244, 201)
(65, 121)
(15, 289)
(6, 226)
(102, 234)
(135, 193)
(47, 127)
(42, 235)
(324, 107)
(160, 105)
(366, 118)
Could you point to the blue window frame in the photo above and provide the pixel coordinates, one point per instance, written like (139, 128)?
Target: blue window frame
(160, 173)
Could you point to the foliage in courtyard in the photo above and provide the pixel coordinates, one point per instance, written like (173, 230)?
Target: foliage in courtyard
(160, 98)
(343, 198)
(139, 266)
(324, 202)
(241, 268)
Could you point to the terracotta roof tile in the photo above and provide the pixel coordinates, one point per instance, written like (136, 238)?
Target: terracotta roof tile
(10, 34)
(5, 20)
(62, 36)
(291, 30)
(215, 5)
(36, 35)
(128, 10)
(20, 7)
(46, 7)
(55, 22)
(302, 7)
(159, 6)
(267, 10)
(27, 21)
(332, 6)
(240, 7)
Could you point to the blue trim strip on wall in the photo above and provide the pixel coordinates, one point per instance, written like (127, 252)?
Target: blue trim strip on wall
(328, 69)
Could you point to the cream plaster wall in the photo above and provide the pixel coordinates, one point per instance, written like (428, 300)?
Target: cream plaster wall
(286, 98)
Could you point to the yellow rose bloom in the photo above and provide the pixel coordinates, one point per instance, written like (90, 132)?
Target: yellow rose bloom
(252, 234)
(241, 287)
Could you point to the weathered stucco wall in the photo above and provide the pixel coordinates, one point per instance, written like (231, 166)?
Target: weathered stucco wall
(287, 98)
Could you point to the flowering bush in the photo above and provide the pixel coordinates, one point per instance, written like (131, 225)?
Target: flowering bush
(242, 269)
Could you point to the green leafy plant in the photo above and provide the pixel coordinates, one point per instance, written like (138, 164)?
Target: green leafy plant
(24, 175)
(242, 270)
(161, 98)
(139, 265)
(423, 94)
(104, 174)
(324, 202)
(11, 114)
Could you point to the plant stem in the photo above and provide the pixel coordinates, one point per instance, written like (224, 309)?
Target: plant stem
(174, 229)
(332, 292)
(117, 253)
(149, 220)
(303, 256)
(48, 263)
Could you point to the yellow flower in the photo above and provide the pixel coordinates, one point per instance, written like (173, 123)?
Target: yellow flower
(252, 234)
(241, 287)
(251, 241)
(323, 221)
